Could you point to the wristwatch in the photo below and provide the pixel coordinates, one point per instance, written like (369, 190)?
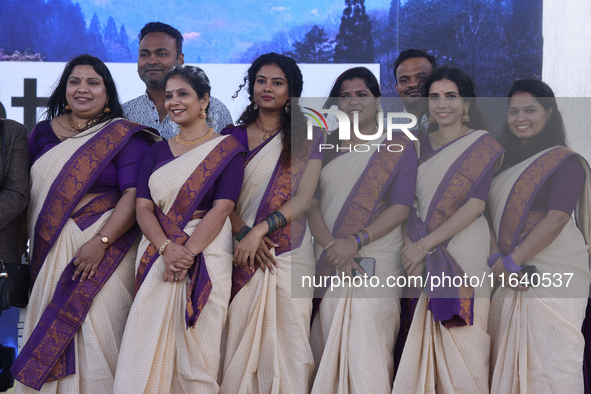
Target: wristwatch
(104, 239)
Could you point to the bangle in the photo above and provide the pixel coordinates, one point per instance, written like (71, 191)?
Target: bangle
(493, 258)
(510, 265)
(164, 245)
(421, 249)
(369, 234)
(356, 240)
(276, 220)
(242, 233)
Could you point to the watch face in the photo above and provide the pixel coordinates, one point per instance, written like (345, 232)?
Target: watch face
(105, 240)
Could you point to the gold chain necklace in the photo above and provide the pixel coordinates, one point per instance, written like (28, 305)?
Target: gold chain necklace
(268, 132)
(196, 140)
(81, 127)
(446, 140)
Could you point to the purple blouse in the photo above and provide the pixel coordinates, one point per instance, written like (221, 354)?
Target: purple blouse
(402, 188)
(122, 172)
(242, 136)
(226, 187)
(483, 187)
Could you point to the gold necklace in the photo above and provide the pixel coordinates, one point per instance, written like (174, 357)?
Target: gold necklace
(81, 127)
(446, 140)
(196, 140)
(268, 132)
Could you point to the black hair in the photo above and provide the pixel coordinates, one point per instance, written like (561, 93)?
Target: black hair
(553, 133)
(294, 115)
(194, 76)
(56, 104)
(158, 27)
(357, 72)
(466, 90)
(412, 54)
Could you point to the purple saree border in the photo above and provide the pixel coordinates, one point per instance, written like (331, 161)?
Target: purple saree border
(58, 205)
(181, 212)
(508, 235)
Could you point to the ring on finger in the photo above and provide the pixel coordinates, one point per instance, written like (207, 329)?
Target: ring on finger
(176, 278)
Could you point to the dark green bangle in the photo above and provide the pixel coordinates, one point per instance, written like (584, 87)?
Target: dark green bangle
(242, 233)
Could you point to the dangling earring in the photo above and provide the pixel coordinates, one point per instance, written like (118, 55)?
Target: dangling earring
(203, 114)
(67, 108)
(287, 106)
(255, 106)
(465, 117)
(431, 120)
(106, 109)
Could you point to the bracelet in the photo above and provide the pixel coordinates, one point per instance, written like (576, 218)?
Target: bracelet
(357, 241)
(276, 220)
(164, 245)
(421, 249)
(242, 233)
(493, 258)
(510, 265)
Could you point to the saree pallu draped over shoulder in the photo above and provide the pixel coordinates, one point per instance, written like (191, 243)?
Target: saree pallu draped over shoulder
(267, 350)
(447, 349)
(353, 331)
(59, 306)
(172, 338)
(537, 344)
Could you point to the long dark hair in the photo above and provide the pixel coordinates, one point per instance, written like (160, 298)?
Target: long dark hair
(356, 72)
(466, 90)
(552, 134)
(56, 105)
(295, 116)
(194, 76)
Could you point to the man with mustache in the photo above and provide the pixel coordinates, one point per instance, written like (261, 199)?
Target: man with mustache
(410, 68)
(161, 48)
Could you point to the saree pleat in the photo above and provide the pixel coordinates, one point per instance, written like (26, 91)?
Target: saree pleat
(159, 354)
(537, 344)
(267, 349)
(353, 334)
(437, 359)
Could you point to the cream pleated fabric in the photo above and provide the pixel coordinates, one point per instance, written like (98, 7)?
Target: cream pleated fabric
(537, 344)
(158, 353)
(98, 340)
(437, 359)
(353, 335)
(267, 350)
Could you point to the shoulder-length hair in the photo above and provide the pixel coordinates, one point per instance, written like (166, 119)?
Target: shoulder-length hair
(292, 138)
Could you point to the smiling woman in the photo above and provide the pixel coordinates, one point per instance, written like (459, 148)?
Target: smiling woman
(85, 160)
(447, 235)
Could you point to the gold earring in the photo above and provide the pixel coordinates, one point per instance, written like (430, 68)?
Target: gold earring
(465, 117)
(67, 108)
(203, 114)
(287, 105)
(431, 120)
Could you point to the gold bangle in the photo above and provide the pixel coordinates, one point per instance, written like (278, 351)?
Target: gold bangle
(421, 249)
(164, 245)
(356, 243)
(370, 236)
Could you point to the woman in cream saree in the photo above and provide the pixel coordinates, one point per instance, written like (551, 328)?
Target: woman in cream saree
(447, 349)
(361, 193)
(173, 335)
(80, 220)
(536, 332)
(267, 348)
